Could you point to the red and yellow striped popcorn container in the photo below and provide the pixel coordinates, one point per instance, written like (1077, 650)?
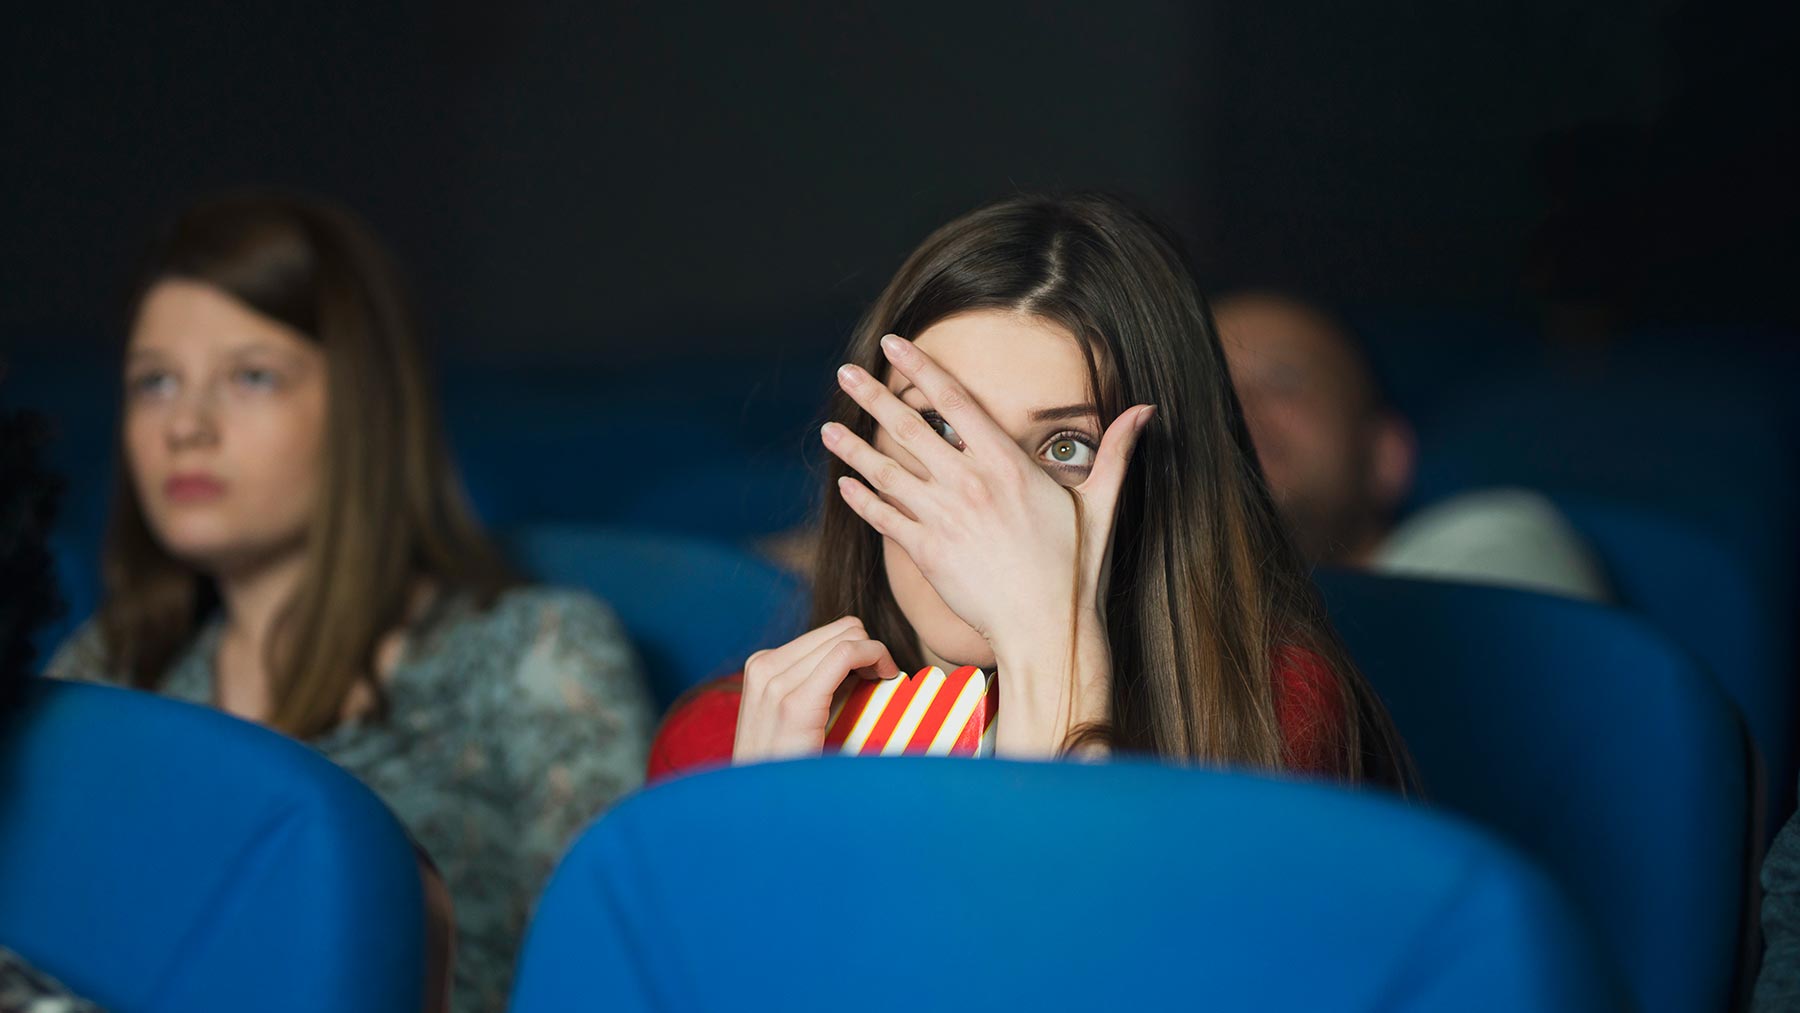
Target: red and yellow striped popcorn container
(928, 714)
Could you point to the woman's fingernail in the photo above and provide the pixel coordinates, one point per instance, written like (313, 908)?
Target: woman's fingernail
(1146, 415)
(848, 375)
(829, 432)
(891, 344)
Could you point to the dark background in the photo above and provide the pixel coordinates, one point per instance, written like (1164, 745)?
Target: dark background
(638, 230)
(626, 181)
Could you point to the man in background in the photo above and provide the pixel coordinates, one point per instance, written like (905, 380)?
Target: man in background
(1339, 462)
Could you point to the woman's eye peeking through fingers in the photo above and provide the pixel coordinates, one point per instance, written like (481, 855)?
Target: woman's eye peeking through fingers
(944, 429)
(1070, 450)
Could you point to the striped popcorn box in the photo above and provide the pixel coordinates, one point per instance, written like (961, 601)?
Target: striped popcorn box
(928, 714)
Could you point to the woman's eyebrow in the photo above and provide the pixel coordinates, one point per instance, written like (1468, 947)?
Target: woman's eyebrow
(1064, 413)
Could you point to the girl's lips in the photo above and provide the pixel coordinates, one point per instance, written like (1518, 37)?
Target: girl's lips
(193, 488)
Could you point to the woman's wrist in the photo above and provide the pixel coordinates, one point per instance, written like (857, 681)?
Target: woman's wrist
(1044, 694)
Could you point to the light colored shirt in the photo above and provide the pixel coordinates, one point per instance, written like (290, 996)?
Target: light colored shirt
(508, 731)
(1510, 537)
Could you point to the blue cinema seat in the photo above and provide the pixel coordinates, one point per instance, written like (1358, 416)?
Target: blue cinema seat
(1703, 596)
(1591, 743)
(1427, 357)
(598, 444)
(158, 857)
(571, 459)
(743, 497)
(1693, 444)
(910, 884)
(694, 608)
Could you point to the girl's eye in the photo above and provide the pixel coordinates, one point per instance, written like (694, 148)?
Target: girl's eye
(1069, 450)
(936, 421)
(151, 384)
(256, 378)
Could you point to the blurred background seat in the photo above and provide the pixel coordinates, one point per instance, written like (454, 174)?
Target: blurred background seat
(156, 856)
(695, 608)
(1699, 446)
(920, 884)
(705, 448)
(1703, 596)
(1428, 357)
(77, 396)
(740, 498)
(1673, 448)
(1591, 743)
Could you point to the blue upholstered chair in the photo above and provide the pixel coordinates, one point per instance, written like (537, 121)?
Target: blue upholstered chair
(1700, 593)
(1591, 743)
(156, 856)
(694, 608)
(700, 447)
(910, 884)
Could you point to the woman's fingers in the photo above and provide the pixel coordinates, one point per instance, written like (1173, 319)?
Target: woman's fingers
(1101, 489)
(908, 428)
(847, 657)
(879, 470)
(881, 515)
(784, 657)
(796, 671)
(948, 397)
(784, 711)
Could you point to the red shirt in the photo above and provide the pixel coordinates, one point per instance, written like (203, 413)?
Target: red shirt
(700, 729)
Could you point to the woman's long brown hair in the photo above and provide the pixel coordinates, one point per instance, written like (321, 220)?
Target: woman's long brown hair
(391, 512)
(1206, 596)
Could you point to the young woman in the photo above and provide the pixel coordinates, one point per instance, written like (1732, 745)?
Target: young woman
(289, 543)
(1041, 469)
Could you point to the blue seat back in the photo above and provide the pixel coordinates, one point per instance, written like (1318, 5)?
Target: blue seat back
(694, 608)
(1688, 445)
(911, 884)
(1702, 595)
(742, 497)
(156, 856)
(1427, 357)
(1592, 744)
(699, 448)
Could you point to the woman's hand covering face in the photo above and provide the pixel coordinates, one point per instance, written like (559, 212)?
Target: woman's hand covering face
(988, 526)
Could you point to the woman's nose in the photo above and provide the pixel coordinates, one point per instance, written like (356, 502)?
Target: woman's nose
(193, 419)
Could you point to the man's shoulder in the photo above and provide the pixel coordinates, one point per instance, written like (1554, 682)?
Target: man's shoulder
(1508, 536)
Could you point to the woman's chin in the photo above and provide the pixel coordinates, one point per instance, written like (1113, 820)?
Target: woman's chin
(954, 652)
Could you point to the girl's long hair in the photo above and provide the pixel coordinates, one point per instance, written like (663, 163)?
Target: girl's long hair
(1206, 596)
